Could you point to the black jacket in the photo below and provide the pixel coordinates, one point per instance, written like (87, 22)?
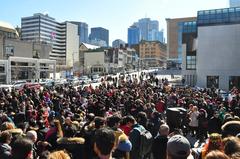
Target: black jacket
(159, 147)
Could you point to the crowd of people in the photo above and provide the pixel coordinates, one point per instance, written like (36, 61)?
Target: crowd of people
(127, 119)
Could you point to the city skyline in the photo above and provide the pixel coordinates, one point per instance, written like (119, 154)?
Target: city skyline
(116, 17)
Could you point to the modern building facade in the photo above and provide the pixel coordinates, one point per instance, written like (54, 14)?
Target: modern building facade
(133, 35)
(118, 43)
(234, 3)
(189, 51)
(218, 48)
(174, 40)
(45, 29)
(82, 31)
(99, 33)
(98, 42)
(22, 59)
(153, 53)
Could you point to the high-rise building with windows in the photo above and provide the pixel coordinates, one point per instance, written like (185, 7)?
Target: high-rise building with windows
(118, 43)
(149, 30)
(63, 37)
(99, 33)
(82, 31)
(133, 35)
(174, 40)
(234, 3)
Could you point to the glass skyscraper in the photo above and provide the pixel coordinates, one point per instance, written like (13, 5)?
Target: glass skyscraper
(82, 31)
(149, 30)
(99, 33)
(234, 3)
(133, 35)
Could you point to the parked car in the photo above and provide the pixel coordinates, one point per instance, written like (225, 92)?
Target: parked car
(84, 80)
(46, 82)
(73, 81)
(96, 78)
(18, 84)
(35, 86)
(6, 87)
(61, 81)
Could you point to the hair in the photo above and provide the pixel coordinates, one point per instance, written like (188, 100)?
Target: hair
(99, 122)
(104, 140)
(214, 143)
(216, 155)
(22, 148)
(130, 119)
(59, 128)
(32, 135)
(5, 136)
(164, 129)
(59, 155)
(231, 145)
(142, 118)
(113, 120)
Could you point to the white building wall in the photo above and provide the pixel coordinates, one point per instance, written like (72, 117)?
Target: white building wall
(218, 54)
(72, 44)
(93, 58)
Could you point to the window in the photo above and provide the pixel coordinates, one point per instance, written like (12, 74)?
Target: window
(212, 81)
(191, 63)
(234, 81)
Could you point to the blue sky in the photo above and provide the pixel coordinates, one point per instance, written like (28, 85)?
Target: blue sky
(115, 15)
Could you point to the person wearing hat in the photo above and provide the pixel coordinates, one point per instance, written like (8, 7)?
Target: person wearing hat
(178, 147)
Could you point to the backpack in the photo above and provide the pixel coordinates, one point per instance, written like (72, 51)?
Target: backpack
(146, 140)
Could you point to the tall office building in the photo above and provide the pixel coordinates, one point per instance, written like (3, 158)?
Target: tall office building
(154, 35)
(174, 40)
(99, 33)
(133, 35)
(82, 31)
(149, 29)
(62, 36)
(118, 43)
(234, 3)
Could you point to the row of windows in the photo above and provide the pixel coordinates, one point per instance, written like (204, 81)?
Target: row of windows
(219, 16)
(191, 63)
(30, 26)
(213, 81)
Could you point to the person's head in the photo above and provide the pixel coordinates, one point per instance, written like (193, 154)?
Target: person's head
(216, 155)
(104, 142)
(215, 114)
(32, 135)
(231, 145)
(5, 137)
(59, 155)
(214, 143)
(99, 122)
(22, 149)
(178, 147)
(164, 130)
(231, 128)
(113, 121)
(130, 120)
(195, 108)
(142, 118)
